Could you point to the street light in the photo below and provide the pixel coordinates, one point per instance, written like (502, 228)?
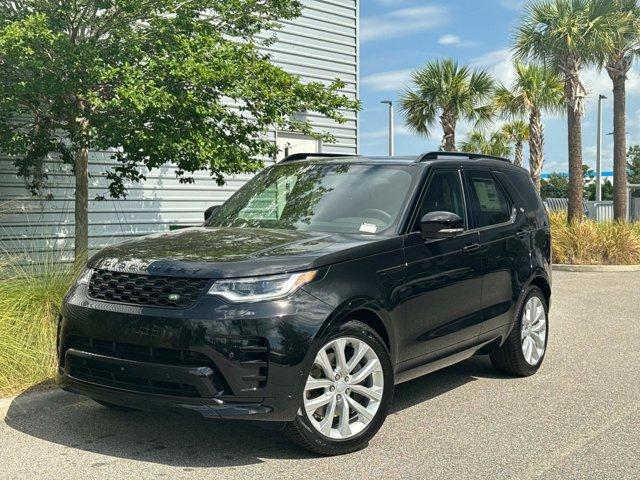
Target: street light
(390, 103)
(599, 151)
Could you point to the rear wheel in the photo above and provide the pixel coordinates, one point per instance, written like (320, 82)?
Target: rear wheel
(523, 351)
(347, 393)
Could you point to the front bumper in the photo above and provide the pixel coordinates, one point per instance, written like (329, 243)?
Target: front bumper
(214, 359)
(272, 410)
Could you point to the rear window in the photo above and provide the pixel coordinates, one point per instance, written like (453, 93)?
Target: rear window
(491, 204)
(521, 187)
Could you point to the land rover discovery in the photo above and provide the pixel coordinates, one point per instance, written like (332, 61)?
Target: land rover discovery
(311, 292)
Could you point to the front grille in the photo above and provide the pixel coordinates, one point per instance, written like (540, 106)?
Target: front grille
(104, 375)
(148, 290)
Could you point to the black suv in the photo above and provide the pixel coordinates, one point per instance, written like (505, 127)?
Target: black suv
(313, 290)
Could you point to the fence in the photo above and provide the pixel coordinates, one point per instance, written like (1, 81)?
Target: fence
(600, 211)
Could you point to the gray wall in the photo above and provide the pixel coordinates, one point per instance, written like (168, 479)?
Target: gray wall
(319, 46)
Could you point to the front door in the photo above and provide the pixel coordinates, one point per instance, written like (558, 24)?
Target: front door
(443, 286)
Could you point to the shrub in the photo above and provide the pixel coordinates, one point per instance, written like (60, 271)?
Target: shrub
(590, 242)
(30, 300)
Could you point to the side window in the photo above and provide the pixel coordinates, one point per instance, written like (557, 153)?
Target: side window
(444, 194)
(519, 184)
(491, 204)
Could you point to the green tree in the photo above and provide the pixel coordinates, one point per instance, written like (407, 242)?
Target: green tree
(624, 44)
(567, 35)
(633, 168)
(535, 90)
(155, 81)
(633, 164)
(495, 143)
(556, 185)
(517, 132)
(446, 92)
(589, 179)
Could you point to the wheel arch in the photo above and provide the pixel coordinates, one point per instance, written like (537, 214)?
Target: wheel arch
(368, 313)
(543, 284)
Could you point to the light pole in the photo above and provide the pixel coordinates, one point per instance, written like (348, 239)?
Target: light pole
(599, 151)
(390, 103)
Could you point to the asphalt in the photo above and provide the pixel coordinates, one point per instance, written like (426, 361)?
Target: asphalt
(579, 417)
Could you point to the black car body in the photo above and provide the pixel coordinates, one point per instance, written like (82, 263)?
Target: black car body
(139, 329)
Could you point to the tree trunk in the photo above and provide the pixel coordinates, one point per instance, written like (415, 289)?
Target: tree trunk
(81, 171)
(536, 146)
(576, 183)
(619, 148)
(574, 94)
(518, 153)
(448, 123)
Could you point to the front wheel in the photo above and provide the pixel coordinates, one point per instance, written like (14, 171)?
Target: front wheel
(347, 393)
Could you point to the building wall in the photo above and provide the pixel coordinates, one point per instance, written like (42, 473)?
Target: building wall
(321, 45)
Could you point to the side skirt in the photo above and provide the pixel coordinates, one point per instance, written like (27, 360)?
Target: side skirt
(440, 363)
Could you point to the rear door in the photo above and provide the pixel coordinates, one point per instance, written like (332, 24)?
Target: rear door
(504, 237)
(443, 282)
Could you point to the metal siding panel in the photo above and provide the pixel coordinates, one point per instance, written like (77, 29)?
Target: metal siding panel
(319, 46)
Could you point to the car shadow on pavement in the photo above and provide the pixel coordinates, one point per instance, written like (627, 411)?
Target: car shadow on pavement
(188, 442)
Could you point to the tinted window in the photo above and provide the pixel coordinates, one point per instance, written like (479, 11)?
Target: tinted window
(444, 194)
(519, 184)
(491, 204)
(321, 197)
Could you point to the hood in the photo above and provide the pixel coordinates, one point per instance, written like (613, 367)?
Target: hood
(209, 252)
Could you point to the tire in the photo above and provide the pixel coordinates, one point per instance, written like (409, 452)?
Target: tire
(510, 356)
(355, 433)
(113, 406)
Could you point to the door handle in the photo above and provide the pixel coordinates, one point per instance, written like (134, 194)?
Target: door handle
(472, 247)
(522, 233)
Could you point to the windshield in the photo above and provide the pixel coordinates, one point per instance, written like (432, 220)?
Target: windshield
(340, 198)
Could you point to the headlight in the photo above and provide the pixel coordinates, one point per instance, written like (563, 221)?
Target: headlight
(259, 289)
(84, 277)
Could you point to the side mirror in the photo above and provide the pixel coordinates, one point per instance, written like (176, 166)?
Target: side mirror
(210, 211)
(441, 225)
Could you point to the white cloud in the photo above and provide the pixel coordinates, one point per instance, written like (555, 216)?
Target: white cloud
(449, 40)
(455, 41)
(402, 22)
(383, 133)
(392, 80)
(499, 63)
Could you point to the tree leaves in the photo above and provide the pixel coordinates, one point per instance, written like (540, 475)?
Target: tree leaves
(162, 81)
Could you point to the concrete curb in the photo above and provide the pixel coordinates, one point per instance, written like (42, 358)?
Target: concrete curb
(595, 268)
(5, 403)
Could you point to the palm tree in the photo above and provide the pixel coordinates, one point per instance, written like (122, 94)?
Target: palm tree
(567, 35)
(446, 92)
(536, 89)
(624, 45)
(497, 143)
(518, 133)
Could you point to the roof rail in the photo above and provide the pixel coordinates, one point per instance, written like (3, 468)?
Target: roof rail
(304, 156)
(471, 156)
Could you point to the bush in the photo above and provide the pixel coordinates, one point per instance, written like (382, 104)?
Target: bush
(30, 300)
(592, 243)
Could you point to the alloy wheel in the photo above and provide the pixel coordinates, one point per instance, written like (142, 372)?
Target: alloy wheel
(533, 332)
(344, 388)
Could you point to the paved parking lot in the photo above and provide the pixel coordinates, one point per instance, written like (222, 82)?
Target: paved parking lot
(579, 417)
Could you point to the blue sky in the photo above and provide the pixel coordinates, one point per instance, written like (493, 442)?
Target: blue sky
(398, 36)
